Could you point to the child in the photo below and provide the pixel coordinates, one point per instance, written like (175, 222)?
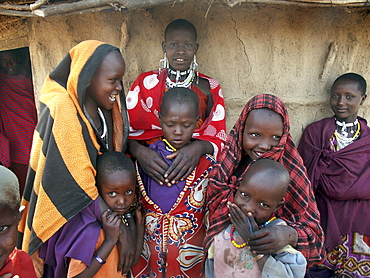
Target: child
(116, 181)
(262, 131)
(259, 196)
(173, 241)
(178, 69)
(12, 260)
(80, 117)
(335, 151)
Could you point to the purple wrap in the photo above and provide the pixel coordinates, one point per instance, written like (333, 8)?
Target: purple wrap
(341, 180)
(76, 239)
(162, 195)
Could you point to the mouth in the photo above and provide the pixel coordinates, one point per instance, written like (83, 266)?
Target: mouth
(112, 98)
(258, 154)
(121, 210)
(179, 60)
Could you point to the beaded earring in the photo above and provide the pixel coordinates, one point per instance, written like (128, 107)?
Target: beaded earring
(163, 63)
(194, 67)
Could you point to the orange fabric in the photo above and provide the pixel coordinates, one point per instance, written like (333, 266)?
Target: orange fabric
(109, 269)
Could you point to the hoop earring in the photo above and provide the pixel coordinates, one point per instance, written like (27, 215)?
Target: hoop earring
(163, 63)
(194, 67)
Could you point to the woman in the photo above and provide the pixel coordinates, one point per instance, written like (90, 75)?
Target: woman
(262, 131)
(178, 69)
(80, 117)
(335, 151)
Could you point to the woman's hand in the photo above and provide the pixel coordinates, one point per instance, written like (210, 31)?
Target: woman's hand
(150, 161)
(245, 225)
(111, 223)
(126, 247)
(186, 159)
(271, 239)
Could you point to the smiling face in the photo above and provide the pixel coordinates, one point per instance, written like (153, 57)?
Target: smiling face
(261, 195)
(180, 47)
(118, 190)
(345, 100)
(106, 83)
(263, 130)
(9, 219)
(178, 122)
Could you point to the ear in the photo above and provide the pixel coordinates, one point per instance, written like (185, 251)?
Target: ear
(164, 46)
(363, 99)
(197, 47)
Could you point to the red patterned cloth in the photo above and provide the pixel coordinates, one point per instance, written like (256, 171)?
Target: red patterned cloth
(299, 210)
(19, 263)
(18, 114)
(173, 241)
(144, 101)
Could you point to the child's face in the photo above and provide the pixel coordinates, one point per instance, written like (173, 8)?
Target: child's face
(262, 131)
(345, 100)
(178, 122)
(259, 199)
(9, 219)
(118, 190)
(105, 85)
(180, 47)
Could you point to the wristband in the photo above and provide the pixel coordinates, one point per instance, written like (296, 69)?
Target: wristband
(99, 259)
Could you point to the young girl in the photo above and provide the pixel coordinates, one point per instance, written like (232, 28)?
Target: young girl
(80, 117)
(178, 69)
(173, 242)
(116, 180)
(335, 151)
(260, 194)
(262, 131)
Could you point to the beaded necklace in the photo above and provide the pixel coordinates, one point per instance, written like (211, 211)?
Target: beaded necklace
(177, 83)
(104, 135)
(244, 243)
(342, 137)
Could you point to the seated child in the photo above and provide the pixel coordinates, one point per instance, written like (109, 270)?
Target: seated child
(173, 241)
(12, 260)
(259, 196)
(116, 181)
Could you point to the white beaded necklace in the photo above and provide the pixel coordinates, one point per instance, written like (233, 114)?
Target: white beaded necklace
(104, 135)
(186, 83)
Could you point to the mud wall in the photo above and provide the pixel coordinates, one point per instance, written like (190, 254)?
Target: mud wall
(293, 52)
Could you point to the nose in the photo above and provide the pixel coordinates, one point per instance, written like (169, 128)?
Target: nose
(121, 201)
(249, 207)
(119, 86)
(264, 144)
(341, 100)
(177, 130)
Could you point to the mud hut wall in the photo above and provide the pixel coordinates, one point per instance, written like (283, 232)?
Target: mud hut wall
(295, 53)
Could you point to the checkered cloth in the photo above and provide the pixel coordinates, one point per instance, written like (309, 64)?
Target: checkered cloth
(299, 210)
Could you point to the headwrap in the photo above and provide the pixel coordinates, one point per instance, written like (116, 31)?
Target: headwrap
(299, 209)
(61, 178)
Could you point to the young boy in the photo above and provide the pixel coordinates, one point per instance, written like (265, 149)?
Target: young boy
(259, 196)
(174, 213)
(116, 184)
(12, 260)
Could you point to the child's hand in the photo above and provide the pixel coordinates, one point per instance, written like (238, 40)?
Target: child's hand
(111, 226)
(245, 225)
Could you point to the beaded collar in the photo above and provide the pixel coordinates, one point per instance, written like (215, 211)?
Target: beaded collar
(177, 83)
(104, 135)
